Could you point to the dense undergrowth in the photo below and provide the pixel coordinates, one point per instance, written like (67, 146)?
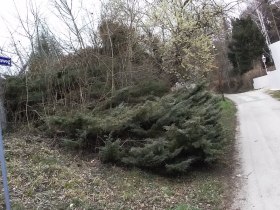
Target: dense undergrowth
(120, 107)
(42, 175)
(144, 125)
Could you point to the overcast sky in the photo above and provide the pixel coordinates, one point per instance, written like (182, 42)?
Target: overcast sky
(10, 22)
(9, 18)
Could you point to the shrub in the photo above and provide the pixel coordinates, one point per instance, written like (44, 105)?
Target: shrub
(111, 152)
(190, 132)
(146, 90)
(167, 133)
(181, 128)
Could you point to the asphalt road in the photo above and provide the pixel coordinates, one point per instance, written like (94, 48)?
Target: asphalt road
(259, 150)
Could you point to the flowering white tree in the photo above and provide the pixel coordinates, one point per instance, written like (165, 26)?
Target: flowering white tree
(187, 29)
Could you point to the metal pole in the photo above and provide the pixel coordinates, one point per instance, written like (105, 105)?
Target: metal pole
(4, 172)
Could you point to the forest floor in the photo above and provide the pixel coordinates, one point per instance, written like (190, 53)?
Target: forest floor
(42, 176)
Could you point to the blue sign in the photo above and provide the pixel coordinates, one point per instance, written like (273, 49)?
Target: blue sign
(4, 61)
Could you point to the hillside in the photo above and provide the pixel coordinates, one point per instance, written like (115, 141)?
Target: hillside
(47, 177)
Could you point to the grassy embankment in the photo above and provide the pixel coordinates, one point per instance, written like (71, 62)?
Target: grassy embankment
(275, 94)
(44, 177)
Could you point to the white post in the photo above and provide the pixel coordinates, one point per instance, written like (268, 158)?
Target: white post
(264, 62)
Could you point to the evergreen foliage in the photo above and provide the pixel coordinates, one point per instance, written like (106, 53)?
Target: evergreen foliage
(247, 44)
(167, 133)
(189, 133)
(111, 152)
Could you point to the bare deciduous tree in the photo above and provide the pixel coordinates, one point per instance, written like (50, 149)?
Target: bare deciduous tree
(65, 12)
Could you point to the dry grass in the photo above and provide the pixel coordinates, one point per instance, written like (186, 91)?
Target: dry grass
(46, 178)
(247, 78)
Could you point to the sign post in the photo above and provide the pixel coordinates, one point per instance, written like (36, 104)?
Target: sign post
(264, 63)
(4, 61)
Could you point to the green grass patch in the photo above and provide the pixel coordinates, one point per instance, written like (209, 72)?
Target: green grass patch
(209, 192)
(228, 120)
(275, 94)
